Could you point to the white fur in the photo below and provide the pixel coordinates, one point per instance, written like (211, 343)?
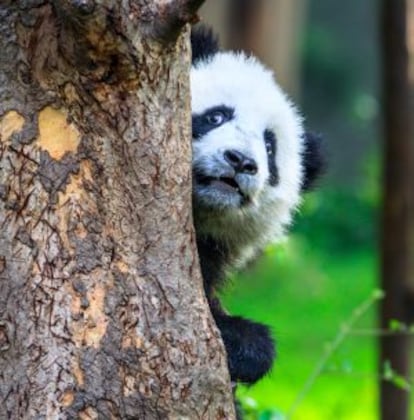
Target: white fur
(244, 84)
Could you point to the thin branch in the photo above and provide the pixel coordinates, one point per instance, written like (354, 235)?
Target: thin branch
(344, 331)
(376, 332)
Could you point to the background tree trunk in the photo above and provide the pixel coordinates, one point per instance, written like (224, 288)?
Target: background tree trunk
(102, 313)
(398, 208)
(272, 30)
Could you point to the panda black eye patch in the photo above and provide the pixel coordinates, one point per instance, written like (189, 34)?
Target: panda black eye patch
(271, 146)
(211, 119)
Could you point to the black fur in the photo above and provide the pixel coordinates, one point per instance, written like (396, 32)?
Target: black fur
(314, 160)
(249, 345)
(213, 258)
(271, 148)
(202, 124)
(204, 44)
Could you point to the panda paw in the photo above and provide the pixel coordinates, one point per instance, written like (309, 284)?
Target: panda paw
(250, 348)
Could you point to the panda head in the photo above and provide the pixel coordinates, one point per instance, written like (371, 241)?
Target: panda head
(249, 146)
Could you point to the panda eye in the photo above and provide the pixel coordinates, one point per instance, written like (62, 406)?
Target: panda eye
(211, 119)
(216, 118)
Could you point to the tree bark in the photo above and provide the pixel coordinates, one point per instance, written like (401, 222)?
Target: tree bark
(398, 207)
(102, 312)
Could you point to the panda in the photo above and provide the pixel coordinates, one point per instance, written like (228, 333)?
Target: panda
(252, 160)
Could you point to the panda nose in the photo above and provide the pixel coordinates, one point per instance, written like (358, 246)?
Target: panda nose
(240, 162)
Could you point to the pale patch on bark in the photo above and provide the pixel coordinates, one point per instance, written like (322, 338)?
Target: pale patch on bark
(92, 317)
(67, 398)
(122, 266)
(75, 190)
(129, 385)
(78, 373)
(75, 195)
(12, 122)
(56, 135)
(88, 414)
(131, 341)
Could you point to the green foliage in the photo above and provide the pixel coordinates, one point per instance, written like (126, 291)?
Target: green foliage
(305, 296)
(309, 290)
(340, 220)
(328, 67)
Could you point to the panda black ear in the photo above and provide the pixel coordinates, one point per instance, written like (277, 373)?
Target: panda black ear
(314, 160)
(204, 43)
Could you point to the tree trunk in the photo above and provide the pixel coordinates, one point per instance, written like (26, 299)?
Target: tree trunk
(398, 208)
(271, 29)
(102, 312)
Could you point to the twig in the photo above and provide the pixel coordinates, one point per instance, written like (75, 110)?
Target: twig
(380, 332)
(332, 347)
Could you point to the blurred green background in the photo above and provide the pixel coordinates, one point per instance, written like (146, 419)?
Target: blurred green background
(309, 287)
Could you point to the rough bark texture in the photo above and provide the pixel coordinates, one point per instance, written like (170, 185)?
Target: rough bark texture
(102, 313)
(398, 209)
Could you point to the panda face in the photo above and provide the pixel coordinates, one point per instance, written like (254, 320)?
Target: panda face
(247, 142)
(226, 163)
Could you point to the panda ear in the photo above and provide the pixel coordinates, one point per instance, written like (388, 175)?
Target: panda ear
(204, 43)
(314, 160)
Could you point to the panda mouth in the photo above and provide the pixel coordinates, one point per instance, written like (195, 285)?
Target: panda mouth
(226, 184)
(223, 183)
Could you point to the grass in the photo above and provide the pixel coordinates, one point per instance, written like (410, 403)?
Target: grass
(305, 296)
